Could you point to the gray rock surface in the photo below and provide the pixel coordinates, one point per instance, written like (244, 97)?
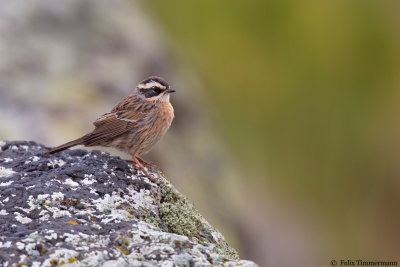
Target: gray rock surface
(80, 208)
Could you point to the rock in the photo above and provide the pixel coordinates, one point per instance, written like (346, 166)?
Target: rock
(65, 63)
(81, 208)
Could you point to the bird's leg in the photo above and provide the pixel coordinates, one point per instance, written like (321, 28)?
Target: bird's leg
(139, 166)
(147, 163)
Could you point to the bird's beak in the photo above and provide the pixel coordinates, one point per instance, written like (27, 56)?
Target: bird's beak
(169, 91)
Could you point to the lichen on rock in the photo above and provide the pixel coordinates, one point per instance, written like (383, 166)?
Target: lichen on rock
(81, 208)
(177, 215)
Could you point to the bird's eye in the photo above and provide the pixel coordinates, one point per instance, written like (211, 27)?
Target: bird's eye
(156, 90)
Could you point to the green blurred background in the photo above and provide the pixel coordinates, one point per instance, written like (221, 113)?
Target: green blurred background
(287, 113)
(307, 96)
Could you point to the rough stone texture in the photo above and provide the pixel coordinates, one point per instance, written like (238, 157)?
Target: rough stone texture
(80, 208)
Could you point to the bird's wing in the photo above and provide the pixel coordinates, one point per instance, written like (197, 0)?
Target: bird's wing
(111, 125)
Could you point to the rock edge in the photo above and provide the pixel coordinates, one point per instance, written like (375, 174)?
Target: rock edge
(81, 208)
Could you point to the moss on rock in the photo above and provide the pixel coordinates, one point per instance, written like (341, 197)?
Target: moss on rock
(177, 215)
(224, 249)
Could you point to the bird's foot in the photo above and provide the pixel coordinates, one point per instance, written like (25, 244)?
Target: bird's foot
(138, 165)
(148, 163)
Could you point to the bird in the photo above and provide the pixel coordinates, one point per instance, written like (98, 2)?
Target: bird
(135, 124)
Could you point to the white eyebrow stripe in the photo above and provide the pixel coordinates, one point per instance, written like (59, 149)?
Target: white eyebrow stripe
(151, 84)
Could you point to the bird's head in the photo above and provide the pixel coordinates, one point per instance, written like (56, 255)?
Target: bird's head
(154, 89)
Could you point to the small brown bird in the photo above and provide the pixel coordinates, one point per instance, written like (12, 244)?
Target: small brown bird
(135, 124)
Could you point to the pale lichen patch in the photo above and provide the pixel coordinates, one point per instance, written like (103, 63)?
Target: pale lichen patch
(57, 196)
(88, 180)
(70, 182)
(61, 256)
(6, 183)
(3, 212)
(20, 245)
(32, 159)
(22, 219)
(117, 207)
(6, 244)
(51, 235)
(53, 163)
(5, 172)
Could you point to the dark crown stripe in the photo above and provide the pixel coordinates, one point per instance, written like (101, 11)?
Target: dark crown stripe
(155, 79)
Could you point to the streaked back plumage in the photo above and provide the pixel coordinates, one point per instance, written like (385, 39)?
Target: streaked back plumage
(135, 124)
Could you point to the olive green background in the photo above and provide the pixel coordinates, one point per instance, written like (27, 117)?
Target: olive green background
(307, 95)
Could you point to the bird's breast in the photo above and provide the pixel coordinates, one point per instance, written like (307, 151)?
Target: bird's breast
(158, 125)
(163, 118)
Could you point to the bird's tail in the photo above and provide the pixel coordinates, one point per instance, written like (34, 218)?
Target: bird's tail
(62, 147)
